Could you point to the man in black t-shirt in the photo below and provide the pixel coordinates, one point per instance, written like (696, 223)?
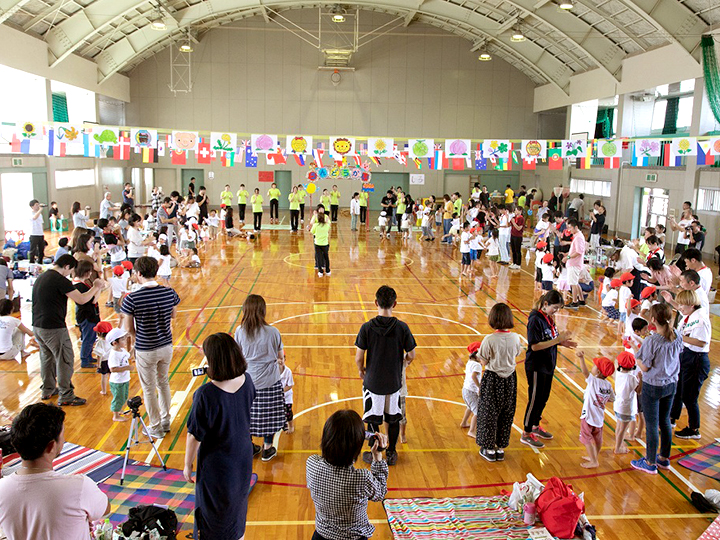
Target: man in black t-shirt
(49, 309)
(697, 236)
(389, 346)
(597, 218)
(386, 202)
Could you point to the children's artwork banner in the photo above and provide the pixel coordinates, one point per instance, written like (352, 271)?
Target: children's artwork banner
(352, 173)
(143, 138)
(266, 176)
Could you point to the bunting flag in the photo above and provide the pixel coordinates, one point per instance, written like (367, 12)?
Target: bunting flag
(437, 160)
(555, 162)
(668, 159)
(586, 160)
(178, 157)
(300, 159)
(121, 151)
(227, 159)
(318, 154)
(704, 153)
(375, 160)
(149, 155)
(480, 161)
(204, 153)
(611, 162)
(251, 159)
(534, 149)
(20, 146)
(642, 161)
(458, 164)
(56, 146)
(416, 161)
(276, 158)
(529, 163)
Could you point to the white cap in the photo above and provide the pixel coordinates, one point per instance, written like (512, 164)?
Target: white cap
(383, 213)
(115, 334)
(163, 236)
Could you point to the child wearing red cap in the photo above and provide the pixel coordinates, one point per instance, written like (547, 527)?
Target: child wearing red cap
(101, 350)
(608, 303)
(624, 296)
(627, 387)
(118, 286)
(649, 297)
(540, 251)
(471, 389)
(598, 392)
(547, 270)
(633, 312)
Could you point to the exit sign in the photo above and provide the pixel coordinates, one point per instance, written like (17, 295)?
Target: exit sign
(651, 177)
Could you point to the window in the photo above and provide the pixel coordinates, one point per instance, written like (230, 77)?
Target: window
(80, 103)
(74, 178)
(708, 200)
(599, 188)
(23, 96)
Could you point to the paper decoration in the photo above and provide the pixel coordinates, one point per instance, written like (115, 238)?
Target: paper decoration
(68, 133)
(185, 140)
(457, 148)
(417, 179)
(704, 153)
(298, 145)
(421, 148)
(684, 146)
(266, 176)
(496, 149)
(223, 141)
(647, 148)
(608, 148)
(105, 136)
(380, 147)
(32, 131)
(341, 147)
(143, 138)
(533, 149)
(178, 157)
(573, 148)
(204, 153)
(251, 159)
(555, 159)
(529, 163)
(715, 146)
(262, 143)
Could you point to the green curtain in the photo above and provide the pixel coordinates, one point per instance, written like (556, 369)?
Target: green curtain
(604, 123)
(712, 75)
(59, 105)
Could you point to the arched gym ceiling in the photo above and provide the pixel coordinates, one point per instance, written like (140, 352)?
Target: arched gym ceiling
(596, 34)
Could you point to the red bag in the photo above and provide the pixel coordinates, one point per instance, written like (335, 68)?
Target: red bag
(559, 508)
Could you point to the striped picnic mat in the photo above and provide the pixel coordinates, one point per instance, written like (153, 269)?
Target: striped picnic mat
(74, 459)
(485, 518)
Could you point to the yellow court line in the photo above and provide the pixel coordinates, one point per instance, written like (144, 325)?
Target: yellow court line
(362, 304)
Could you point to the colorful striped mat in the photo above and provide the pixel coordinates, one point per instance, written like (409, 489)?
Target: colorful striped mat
(712, 532)
(75, 459)
(486, 518)
(705, 461)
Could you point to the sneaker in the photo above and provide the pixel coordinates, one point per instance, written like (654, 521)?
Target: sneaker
(74, 402)
(156, 434)
(573, 305)
(663, 464)
(320, 274)
(269, 453)
(367, 457)
(165, 427)
(256, 449)
(327, 273)
(45, 397)
(391, 458)
(499, 455)
(531, 440)
(109, 304)
(541, 433)
(88, 366)
(687, 433)
(582, 303)
(642, 465)
(488, 454)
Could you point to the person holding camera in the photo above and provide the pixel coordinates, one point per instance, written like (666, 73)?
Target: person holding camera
(339, 490)
(219, 436)
(35, 232)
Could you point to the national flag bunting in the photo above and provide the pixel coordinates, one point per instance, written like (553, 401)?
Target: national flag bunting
(250, 158)
(612, 163)
(178, 157)
(529, 163)
(555, 162)
(227, 159)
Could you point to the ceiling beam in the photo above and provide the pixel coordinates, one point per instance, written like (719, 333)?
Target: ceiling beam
(8, 8)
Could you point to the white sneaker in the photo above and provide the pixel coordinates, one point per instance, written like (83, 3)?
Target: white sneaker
(327, 273)
(320, 274)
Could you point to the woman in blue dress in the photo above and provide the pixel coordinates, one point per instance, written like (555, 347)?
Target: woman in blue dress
(219, 435)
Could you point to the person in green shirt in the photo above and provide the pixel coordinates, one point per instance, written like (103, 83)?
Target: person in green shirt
(242, 196)
(325, 199)
(400, 208)
(334, 204)
(302, 194)
(364, 196)
(226, 196)
(256, 200)
(274, 197)
(458, 204)
(321, 231)
(294, 199)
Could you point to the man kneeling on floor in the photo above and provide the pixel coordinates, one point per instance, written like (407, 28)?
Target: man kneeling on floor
(37, 502)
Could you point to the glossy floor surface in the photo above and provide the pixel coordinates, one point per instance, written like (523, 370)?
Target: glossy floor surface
(319, 318)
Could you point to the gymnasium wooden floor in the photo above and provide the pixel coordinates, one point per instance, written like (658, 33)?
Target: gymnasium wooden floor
(319, 318)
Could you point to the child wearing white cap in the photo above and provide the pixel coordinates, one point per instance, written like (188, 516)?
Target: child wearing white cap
(382, 224)
(119, 364)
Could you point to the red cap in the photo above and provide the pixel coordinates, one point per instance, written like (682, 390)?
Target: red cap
(648, 291)
(626, 360)
(605, 365)
(541, 245)
(196, 226)
(222, 206)
(103, 326)
(634, 303)
(118, 270)
(615, 283)
(474, 347)
(547, 258)
(127, 265)
(627, 276)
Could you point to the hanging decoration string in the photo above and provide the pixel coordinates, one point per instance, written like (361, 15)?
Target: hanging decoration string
(711, 69)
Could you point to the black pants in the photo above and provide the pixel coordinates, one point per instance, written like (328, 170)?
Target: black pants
(333, 212)
(363, 214)
(302, 211)
(274, 209)
(316, 536)
(393, 434)
(516, 247)
(294, 219)
(37, 248)
(694, 369)
(322, 258)
(539, 386)
(496, 409)
(241, 212)
(257, 220)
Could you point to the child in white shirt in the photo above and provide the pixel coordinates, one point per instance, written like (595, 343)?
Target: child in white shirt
(427, 230)
(164, 270)
(101, 351)
(540, 250)
(640, 328)
(118, 285)
(627, 382)
(465, 237)
(471, 389)
(598, 392)
(354, 211)
(547, 271)
(406, 225)
(610, 301)
(119, 364)
(493, 252)
(213, 222)
(382, 224)
(286, 379)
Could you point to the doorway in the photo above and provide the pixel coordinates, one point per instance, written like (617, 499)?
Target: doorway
(383, 182)
(186, 175)
(16, 186)
(652, 210)
(283, 179)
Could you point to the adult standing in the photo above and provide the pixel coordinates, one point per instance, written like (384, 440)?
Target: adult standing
(693, 259)
(78, 217)
(137, 245)
(128, 196)
(6, 280)
(202, 201)
(191, 187)
(384, 347)
(242, 195)
(166, 219)
(574, 261)
(261, 345)
(517, 226)
(321, 233)
(543, 339)
(659, 360)
(84, 246)
(148, 314)
(107, 206)
(576, 208)
(156, 198)
(509, 195)
(485, 197)
(448, 209)
(274, 199)
(302, 194)
(597, 219)
(219, 436)
(36, 233)
(386, 203)
(334, 204)
(364, 195)
(682, 227)
(475, 193)
(294, 200)
(226, 196)
(49, 309)
(697, 236)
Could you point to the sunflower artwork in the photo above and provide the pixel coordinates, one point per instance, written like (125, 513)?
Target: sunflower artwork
(684, 146)
(223, 142)
(29, 130)
(380, 147)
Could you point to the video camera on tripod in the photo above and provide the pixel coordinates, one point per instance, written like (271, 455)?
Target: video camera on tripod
(138, 428)
(134, 404)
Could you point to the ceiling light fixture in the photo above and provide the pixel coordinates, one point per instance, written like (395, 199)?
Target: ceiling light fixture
(157, 22)
(567, 5)
(338, 18)
(484, 57)
(517, 36)
(186, 47)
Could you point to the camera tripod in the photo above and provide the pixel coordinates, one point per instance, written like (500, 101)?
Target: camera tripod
(138, 427)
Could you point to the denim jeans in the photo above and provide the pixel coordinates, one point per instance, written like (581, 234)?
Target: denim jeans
(656, 401)
(447, 223)
(694, 369)
(353, 222)
(87, 330)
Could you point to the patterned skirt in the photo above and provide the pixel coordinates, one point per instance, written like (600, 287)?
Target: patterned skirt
(267, 414)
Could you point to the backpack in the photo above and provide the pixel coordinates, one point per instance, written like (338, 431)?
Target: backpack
(559, 508)
(142, 519)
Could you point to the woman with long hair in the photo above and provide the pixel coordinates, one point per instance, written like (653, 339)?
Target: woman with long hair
(321, 231)
(84, 250)
(78, 217)
(261, 345)
(543, 339)
(219, 436)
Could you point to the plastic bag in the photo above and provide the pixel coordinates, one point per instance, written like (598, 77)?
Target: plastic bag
(524, 492)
